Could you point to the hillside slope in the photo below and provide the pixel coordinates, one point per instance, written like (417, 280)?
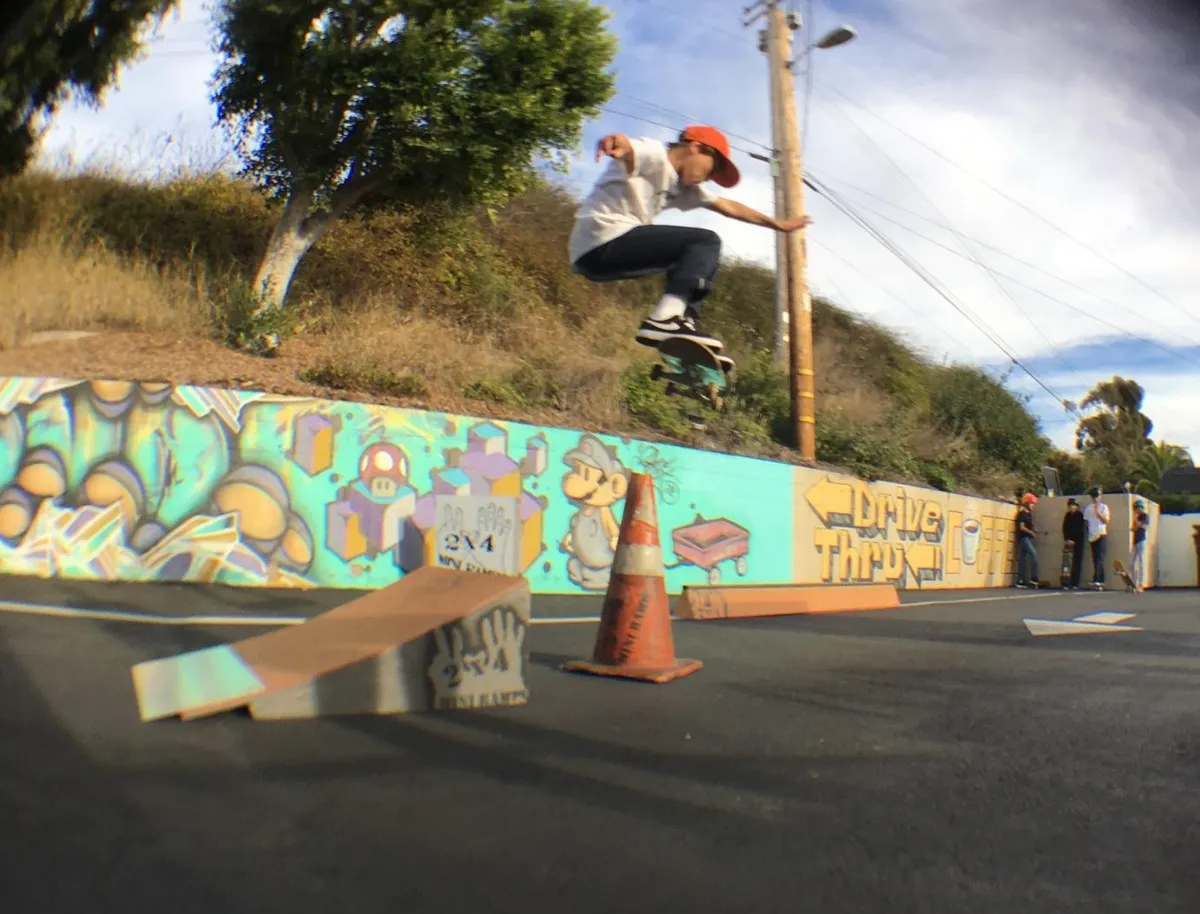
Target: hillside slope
(459, 312)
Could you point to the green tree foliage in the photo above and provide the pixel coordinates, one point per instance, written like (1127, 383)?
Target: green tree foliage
(401, 101)
(55, 49)
(1152, 462)
(965, 402)
(1072, 474)
(1116, 431)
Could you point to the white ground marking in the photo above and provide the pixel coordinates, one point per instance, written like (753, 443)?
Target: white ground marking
(1105, 618)
(1042, 627)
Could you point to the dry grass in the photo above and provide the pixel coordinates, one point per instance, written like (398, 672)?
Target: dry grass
(52, 283)
(435, 310)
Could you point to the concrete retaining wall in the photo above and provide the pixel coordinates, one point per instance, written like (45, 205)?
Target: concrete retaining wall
(1048, 518)
(1177, 550)
(118, 480)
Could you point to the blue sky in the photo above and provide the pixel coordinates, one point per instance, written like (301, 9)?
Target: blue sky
(1082, 111)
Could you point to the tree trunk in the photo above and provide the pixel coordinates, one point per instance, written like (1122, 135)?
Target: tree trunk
(294, 234)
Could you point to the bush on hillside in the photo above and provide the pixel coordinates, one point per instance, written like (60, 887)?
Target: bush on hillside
(456, 308)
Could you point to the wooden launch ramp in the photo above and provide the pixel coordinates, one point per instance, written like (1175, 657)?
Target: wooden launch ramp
(436, 639)
(744, 601)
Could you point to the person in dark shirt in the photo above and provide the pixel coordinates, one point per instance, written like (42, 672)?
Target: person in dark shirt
(1074, 532)
(1026, 546)
(1141, 526)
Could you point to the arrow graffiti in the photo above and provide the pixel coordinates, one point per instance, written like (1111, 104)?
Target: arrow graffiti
(924, 560)
(831, 500)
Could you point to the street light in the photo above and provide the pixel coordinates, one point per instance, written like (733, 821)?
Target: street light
(834, 37)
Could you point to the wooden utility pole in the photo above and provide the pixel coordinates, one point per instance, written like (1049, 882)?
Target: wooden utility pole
(790, 174)
(781, 350)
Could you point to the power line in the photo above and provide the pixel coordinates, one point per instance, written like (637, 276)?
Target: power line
(1085, 313)
(908, 261)
(810, 57)
(973, 256)
(892, 295)
(691, 120)
(1025, 263)
(675, 129)
(1014, 201)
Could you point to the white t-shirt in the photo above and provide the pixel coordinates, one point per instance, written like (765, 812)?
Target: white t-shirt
(1096, 515)
(621, 201)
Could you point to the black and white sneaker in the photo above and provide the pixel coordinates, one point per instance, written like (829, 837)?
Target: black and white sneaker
(652, 332)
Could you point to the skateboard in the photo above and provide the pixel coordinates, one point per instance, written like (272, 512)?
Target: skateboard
(691, 369)
(1124, 575)
(1068, 557)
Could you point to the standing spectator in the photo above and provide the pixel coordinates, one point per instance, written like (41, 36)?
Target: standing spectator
(1074, 532)
(1096, 515)
(1025, 535)
(1141, 526)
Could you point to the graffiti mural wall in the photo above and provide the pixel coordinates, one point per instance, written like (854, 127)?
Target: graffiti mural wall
(120, 480)
(852, 532)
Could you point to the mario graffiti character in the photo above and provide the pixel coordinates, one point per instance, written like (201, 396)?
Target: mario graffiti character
(595, 481)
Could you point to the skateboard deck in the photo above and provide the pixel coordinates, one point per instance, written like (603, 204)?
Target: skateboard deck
(1124, 575)
(692, 369)
(1068, 557)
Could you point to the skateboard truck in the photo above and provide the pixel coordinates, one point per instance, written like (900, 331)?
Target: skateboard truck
(693, 370)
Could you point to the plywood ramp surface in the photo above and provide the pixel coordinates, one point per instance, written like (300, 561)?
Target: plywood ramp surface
(749, 601)
(366, 627)
(415, 605)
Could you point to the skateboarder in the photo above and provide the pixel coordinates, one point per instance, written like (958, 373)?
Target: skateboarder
(1096, 515)
(614, 237)
(1074, 532)
(1025, 541)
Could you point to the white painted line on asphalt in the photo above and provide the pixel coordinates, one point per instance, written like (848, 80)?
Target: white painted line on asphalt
(565, 620)
(996, 599)
(1105, 618)
(145, 618)
(117, 615)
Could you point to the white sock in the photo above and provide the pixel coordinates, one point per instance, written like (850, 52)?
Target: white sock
(669, 306)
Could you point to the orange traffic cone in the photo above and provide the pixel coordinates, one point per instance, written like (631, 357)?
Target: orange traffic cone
(634, 640)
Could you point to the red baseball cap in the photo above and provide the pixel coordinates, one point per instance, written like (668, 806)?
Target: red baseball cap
(726, 173)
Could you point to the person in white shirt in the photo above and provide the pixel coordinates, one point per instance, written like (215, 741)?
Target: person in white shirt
(614, 238)
(1096, 515)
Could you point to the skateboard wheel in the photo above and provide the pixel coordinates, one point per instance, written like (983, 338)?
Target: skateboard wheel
(714, 575)
(656, 372)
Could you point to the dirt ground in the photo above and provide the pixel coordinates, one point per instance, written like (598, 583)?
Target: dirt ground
(169, 358)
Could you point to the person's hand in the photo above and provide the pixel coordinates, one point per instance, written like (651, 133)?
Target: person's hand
(792, 225)
(616, 145)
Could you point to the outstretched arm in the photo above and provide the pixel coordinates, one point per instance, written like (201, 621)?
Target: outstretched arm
(619, 147)
(743, 213)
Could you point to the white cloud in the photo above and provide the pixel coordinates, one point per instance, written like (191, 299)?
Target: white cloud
(1081, 110)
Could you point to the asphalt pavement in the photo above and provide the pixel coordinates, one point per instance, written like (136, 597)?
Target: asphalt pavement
(934, 758)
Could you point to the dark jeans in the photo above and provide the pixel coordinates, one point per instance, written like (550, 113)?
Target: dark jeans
(1028, 551)
(1076, 563)
(1098, 560)
(689, 256)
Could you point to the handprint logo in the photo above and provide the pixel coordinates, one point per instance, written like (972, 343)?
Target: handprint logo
(484, 548)
(494, 675)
